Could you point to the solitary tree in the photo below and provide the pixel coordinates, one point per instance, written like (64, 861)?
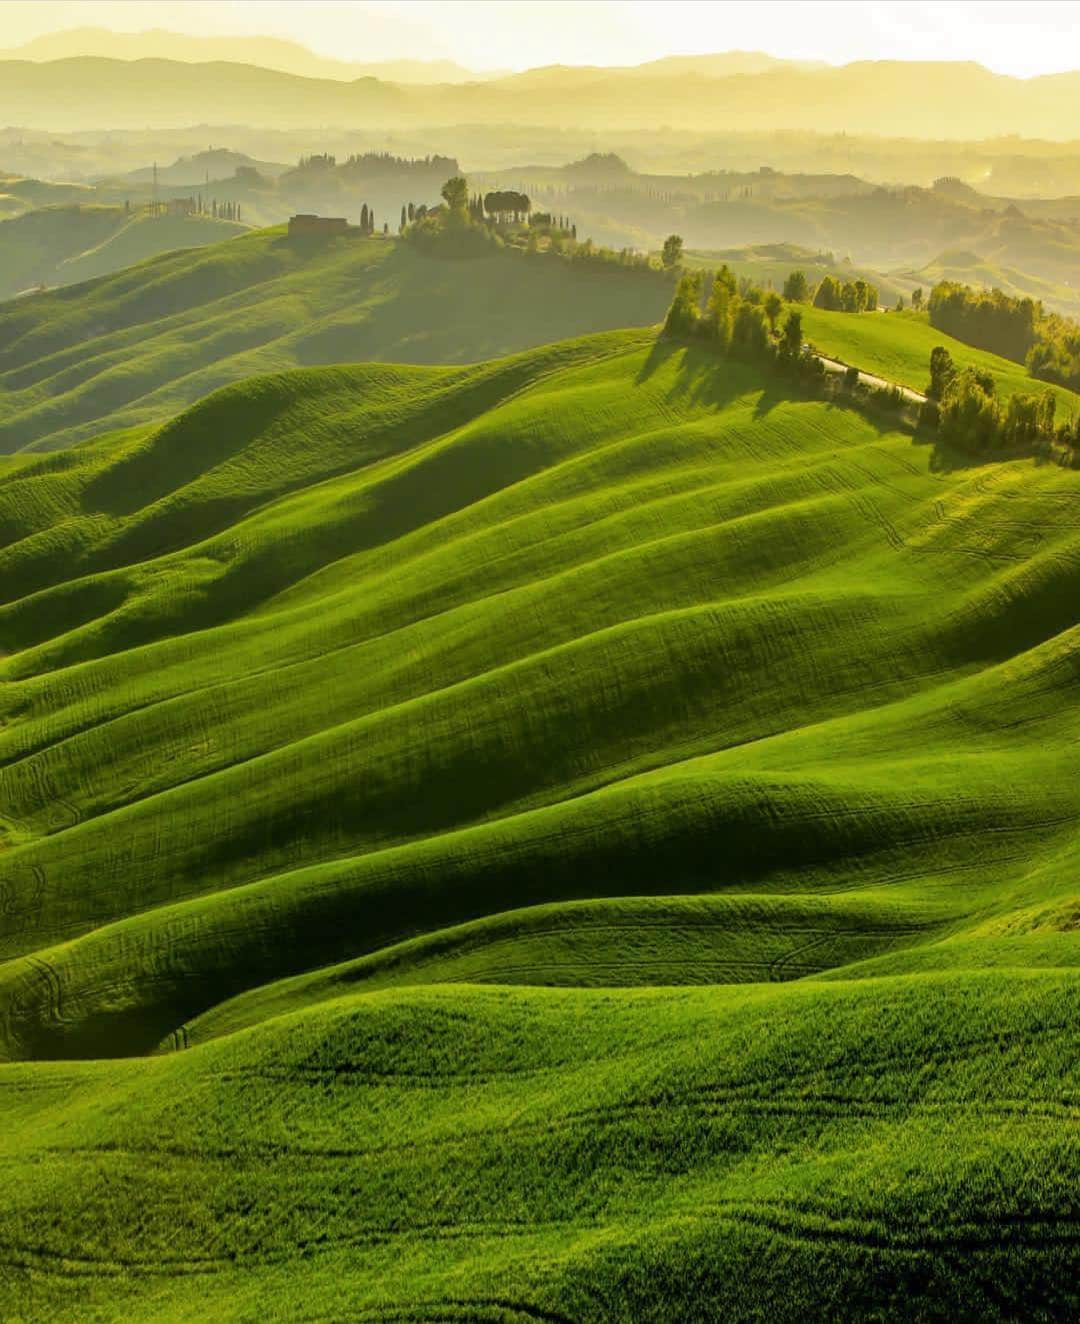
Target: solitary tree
(917, 299)
(796, 290)
(672, 252)
(828, 294)
(455, 193)
(401, 227)
(791, 339)
(774, 306)
(942, 372)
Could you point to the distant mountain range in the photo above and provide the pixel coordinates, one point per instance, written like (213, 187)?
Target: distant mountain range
(267, 52)
(293, 58)
(891, 98)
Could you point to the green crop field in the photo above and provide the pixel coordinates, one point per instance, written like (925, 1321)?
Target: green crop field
(140, 344)
(579, 837)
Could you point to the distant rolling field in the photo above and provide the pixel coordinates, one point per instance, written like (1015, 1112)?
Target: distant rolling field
(771, 264)
(581, 837)
(64, 244)
(140, 344)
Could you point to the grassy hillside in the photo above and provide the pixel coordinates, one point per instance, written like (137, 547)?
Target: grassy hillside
(141, 344)
(382, 745)
(61, 245)
(24, 192)
(897, 346)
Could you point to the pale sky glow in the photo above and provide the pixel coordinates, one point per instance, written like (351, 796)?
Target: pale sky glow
(1014, 38)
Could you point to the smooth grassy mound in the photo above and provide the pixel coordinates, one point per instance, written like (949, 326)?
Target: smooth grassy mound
(380, 748)
(140, 344)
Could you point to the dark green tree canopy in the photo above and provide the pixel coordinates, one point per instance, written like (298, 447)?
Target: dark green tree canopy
(455, 193)
(796, 287)
(506, 203)
(672, 251)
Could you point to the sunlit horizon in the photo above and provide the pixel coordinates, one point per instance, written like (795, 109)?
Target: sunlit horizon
(1022, 40)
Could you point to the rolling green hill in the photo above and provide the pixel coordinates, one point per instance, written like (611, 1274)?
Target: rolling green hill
(581, 837)
(897, 346)
(140, 344)
(62, 245)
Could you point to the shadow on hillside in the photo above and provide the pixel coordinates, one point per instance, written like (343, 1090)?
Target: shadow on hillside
(704, 380)
(208, 434)
(946, 459)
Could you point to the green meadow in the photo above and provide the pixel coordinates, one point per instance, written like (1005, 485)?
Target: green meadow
(142, 343)
(897, 346)
(58, 245)
(139, 345)
(588, 835)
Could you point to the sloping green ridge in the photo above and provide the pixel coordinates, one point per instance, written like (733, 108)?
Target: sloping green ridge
(142, 343)
(351, 691)
(897, 347)
(64, 244)
(891, 1149)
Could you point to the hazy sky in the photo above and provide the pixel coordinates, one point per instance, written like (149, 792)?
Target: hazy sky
(1017, 38)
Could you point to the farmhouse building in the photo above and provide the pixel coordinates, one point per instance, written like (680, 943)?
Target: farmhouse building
(307, 224)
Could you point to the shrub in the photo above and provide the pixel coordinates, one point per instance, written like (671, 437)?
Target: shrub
(431, 235)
